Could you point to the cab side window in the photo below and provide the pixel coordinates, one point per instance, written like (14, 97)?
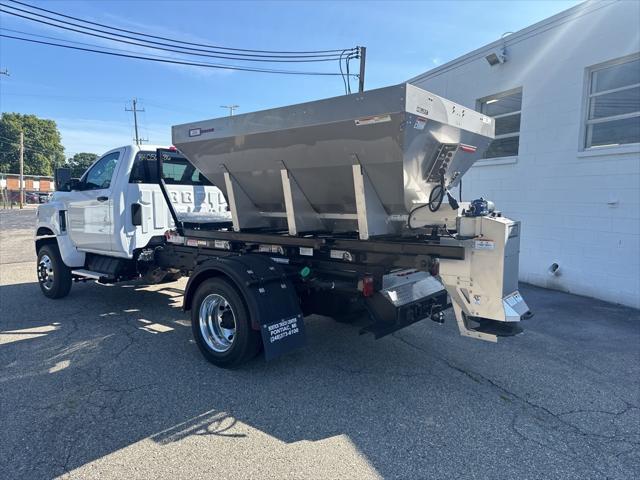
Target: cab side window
(176, 170)
(145, 169)
(100, 174)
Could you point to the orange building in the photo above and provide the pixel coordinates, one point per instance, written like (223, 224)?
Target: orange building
(32, 183)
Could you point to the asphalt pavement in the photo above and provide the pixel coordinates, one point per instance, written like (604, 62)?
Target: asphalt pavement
(108, 383)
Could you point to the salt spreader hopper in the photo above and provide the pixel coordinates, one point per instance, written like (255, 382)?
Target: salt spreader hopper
(374, 169)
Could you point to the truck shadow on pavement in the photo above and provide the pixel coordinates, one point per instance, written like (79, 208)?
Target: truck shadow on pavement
(87, 378)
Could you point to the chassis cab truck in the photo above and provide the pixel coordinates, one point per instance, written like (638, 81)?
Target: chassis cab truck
(340, 207)
(96, 226)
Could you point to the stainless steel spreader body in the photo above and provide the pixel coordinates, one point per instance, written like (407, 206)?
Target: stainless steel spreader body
(368, 163)
(395, 134)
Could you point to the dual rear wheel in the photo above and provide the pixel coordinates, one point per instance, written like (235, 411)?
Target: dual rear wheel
(221, 324)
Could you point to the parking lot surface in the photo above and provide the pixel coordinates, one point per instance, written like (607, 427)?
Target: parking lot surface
(107, 383)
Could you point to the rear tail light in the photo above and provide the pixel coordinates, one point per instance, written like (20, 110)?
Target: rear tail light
(434, 268)
(366, 286)
(467, 148)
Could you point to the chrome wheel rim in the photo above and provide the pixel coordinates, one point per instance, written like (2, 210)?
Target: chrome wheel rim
(45, 272)
(217, 323)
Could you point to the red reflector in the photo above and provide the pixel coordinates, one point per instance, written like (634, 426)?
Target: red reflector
(467, 148)
(367, 286)
(173, 149)
(434, 268)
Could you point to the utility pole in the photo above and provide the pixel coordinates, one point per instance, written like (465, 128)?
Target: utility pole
(363, 58)
(231, 108)
(21, 169)
(135, 111)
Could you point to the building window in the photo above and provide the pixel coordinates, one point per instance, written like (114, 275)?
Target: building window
(613, 104)
(505, 108)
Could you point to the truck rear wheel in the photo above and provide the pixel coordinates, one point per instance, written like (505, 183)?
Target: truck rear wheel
(54, 277)
(221, 324)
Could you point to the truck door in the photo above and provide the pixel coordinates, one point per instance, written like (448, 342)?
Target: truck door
(90, 207)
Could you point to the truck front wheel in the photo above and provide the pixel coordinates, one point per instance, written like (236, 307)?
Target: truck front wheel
(54, 277)
(221, 324)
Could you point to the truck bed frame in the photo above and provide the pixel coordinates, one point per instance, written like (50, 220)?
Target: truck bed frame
(351, 270)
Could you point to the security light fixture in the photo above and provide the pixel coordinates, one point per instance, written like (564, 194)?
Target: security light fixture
(496, 57)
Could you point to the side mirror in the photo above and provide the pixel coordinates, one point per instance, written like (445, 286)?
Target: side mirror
(71, 185)
(61, 176)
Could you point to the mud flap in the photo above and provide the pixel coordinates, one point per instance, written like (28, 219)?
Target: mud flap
(270, 296)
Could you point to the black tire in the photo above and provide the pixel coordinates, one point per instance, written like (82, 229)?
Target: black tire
(245, 343)
(49, 265)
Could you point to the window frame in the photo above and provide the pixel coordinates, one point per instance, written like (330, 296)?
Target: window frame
(586, 106)
(148, 162)
(482, 101)
(85, 176)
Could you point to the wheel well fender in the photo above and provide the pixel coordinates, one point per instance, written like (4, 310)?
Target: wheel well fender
(264, 286)
(44, 236)
(217, 268)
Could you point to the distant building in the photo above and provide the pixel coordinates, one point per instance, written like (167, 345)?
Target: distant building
(565, 93)
(32, 183)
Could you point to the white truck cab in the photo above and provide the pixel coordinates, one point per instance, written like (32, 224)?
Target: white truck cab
(117, 207)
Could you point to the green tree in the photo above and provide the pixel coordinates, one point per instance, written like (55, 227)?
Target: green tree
(80, 162)
(43, 149)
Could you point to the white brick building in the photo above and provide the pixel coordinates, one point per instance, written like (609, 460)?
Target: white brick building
(567, 160)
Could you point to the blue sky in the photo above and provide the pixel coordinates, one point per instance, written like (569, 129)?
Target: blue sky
(86, 93)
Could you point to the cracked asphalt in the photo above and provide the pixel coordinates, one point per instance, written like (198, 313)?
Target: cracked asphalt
(107, 383)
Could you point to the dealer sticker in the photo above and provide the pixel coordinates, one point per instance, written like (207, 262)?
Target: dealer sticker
(282, 329)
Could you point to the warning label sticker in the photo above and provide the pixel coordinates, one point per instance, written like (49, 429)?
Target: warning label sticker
(514, 299)
(373, 119)
(484, 245)
(420, 123)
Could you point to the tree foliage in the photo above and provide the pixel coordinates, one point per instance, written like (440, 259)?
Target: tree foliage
(80, 162)
(43, 148)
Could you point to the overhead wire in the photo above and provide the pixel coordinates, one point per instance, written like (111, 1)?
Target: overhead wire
(26, 147)
(177, 62)
(137, 42)
(278, 52)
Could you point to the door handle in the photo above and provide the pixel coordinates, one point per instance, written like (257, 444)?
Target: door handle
(102, 199)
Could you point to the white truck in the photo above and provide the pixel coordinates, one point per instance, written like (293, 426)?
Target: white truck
(113, 211)
(335, 207)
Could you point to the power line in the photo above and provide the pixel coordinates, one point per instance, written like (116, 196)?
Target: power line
(114, 100)
(231, 108)
(87, 44)
(179, 62)
(135, 111)
(31, 149)
(174, 40)
(163, 46)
